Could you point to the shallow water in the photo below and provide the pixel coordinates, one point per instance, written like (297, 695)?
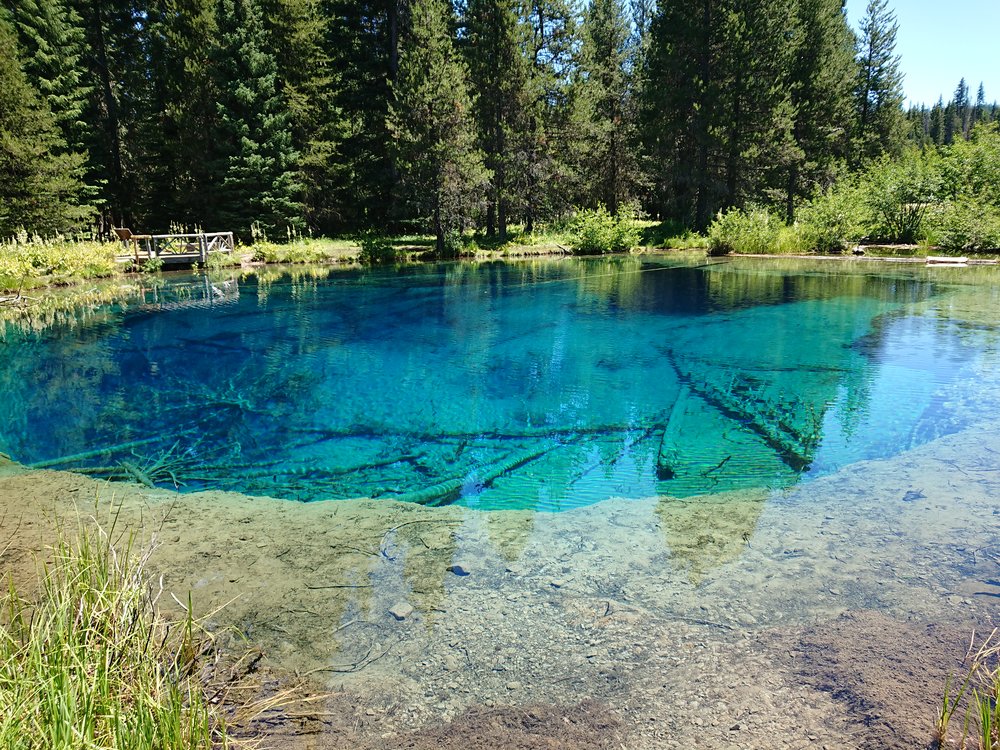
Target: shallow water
(810, 603)
(540, 385)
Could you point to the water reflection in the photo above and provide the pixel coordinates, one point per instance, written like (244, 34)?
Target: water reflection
(536, 385)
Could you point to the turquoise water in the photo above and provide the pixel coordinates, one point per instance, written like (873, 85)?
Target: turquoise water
(544, 385)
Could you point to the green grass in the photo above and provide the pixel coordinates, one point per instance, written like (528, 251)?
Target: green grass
(975, 696)
(30, 262)
(90, 663)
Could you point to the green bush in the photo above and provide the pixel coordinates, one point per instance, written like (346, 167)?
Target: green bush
(28, 261)
(376, 249)
(298, 251)
(966, 225)
(751, 230)
(898, 194)
(596, 232)
(835, 220)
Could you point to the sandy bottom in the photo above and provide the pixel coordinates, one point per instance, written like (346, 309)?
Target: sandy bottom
(824, 616)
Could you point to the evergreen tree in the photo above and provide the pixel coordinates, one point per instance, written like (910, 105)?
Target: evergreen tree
(937, 125)
(115, 57)
(879, 89)
(363, 44)
(496, 40)
(431, 120)
(979, 113)
(41, 190)
(51, 39)
(309, 79)
(542, 151)
(607, 95)
(717, 111)
(257, 163)
(962, 110)
(821, 80)
(182, 120)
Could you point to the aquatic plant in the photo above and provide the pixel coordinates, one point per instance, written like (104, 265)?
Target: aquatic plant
(978, 692)
(93, 663)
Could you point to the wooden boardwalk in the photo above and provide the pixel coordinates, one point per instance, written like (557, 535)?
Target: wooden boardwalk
(177, 249)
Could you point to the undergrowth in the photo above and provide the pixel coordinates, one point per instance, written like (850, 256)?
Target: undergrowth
(90, 662)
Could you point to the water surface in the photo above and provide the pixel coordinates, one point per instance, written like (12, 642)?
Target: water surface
(541, 385)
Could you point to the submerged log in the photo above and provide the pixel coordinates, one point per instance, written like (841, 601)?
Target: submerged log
(449, 490)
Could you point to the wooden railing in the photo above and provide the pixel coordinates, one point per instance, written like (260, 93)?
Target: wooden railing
(182, 248)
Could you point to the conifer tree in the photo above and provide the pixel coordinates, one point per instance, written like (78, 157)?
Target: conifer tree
(821, 81)
(51, 38)
(879, 89)
(182, 118)
(496, 38)
(310, 81)
(257, 163)
(41, 190)
(606, 93)
(431, 120)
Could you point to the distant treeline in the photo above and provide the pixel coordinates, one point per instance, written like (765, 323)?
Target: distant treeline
(346, 115)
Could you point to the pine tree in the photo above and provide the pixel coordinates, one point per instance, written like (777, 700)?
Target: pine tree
(182, 120)
(41, 190)
(310, 81)
(496, 38)
(550, 137)
(963, 110)
(821, 80)
(937, 126)
(717, 113)
(431, 120)
(257, 164)
(115, 57)
(362, 40)
(879, 89)
(606, 92)
(51, 39)
(979, 113)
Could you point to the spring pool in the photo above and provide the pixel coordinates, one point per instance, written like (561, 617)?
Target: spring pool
(542, 385)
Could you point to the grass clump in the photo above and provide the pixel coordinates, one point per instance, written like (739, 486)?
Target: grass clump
(978, 693)
(30, 261)
(92, 664)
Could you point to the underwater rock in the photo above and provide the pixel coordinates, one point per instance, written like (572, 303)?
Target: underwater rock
(401, 610)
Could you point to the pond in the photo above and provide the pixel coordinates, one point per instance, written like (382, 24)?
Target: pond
(539, 385)
(776, 481)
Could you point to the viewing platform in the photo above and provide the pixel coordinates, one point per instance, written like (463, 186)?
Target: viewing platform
(175, 249)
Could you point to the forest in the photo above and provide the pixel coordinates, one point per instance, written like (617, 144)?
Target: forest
(751, 120)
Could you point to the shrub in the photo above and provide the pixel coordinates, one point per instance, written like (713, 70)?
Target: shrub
(596, 232)
(898, 194)
(298, 251)
(966, 225)
(835, 220)
(376, 249)
(751, 230)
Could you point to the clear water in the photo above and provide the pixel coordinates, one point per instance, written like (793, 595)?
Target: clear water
(543, 385)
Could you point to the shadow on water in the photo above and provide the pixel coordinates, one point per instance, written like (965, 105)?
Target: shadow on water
(538, 385)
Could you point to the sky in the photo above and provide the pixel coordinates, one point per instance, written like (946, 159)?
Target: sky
(940, 42)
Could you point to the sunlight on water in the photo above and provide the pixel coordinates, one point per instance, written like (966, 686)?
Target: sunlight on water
(541, 385)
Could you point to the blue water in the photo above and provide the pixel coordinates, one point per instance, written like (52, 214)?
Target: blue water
(545, 385)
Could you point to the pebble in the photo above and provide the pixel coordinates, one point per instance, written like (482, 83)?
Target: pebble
(401, 610)
(513, 685)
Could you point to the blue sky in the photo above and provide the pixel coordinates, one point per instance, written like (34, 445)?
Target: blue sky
(940, 42)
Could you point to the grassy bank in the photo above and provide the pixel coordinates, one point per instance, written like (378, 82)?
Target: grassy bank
(90, 662)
